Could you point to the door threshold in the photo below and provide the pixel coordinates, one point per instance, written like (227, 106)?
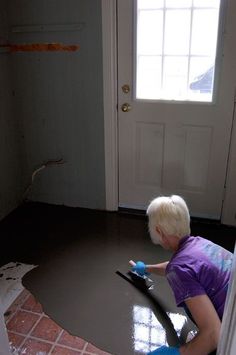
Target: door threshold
(133, 211)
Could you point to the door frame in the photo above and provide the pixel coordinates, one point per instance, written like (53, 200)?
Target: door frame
(109, 41)
(227, 343)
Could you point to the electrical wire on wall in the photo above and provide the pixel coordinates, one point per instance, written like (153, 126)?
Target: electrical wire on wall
(37, 171)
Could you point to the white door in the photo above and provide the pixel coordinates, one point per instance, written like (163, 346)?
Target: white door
(174, 123)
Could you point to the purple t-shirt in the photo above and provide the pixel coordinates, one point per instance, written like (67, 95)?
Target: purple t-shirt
(200, 267)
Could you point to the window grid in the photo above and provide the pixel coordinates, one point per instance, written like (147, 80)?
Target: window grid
(189, 48)
(163, 44)
(188, 55)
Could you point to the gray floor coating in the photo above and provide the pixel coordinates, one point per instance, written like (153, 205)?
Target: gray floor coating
(79, 289)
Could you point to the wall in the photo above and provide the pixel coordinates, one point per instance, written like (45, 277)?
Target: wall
(11, 184)
(58, 99)
(227, 343)
(229, 207)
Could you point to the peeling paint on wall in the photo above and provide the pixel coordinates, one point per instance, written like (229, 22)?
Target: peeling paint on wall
(41, 47)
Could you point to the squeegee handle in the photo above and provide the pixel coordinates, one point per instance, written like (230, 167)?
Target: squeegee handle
(132, 263)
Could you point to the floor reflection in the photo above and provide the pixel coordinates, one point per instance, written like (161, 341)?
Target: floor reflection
(148, 332)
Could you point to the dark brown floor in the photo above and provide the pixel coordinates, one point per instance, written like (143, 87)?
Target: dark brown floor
(78, 252)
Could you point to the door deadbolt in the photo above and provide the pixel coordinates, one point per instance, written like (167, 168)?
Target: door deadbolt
(126, 88)
(126, 107)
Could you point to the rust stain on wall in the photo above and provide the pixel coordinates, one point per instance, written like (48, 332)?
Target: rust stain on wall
(41, 47)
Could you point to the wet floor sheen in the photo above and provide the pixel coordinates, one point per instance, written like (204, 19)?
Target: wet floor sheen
(81, 291)
(78, 253)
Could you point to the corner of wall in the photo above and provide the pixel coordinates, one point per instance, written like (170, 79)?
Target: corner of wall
(229, 204)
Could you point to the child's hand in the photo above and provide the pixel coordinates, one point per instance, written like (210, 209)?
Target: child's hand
(165, 350)
(139, 267)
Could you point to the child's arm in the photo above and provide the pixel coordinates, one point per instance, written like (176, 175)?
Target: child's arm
(208, 322)
(159, 269)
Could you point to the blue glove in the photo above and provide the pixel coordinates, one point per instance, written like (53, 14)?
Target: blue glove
(165, 350)
(140, 268)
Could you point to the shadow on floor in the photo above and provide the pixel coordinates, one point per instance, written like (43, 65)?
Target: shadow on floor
(78, 252)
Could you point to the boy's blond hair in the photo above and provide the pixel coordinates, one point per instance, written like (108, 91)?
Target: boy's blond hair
(170, 214)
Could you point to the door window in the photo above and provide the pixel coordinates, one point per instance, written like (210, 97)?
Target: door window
(176, 44)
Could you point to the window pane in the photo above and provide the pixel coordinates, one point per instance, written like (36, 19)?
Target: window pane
(141, 332)
(207, 3)
(179, 3)
(158, 333)
(149, 77)
(201, 79)
(177, 32)
(179, 63)
(204, 35)
(150, 4)
(150, 25)
(175, 77)
(199, 66)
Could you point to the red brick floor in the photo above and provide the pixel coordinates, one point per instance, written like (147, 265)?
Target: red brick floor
(31, 332)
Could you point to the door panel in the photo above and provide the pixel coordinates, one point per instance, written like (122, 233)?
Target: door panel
(148, 151)
(172, 147)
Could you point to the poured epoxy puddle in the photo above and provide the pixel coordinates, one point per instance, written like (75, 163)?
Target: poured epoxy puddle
(80, 290)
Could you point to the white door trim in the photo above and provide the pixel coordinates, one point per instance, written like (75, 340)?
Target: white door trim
(227, 343)
(110, 102)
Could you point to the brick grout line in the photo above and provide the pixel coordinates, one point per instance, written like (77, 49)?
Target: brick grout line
(36, 323)
(29, 336)
(15, 348)
(55, 342)
(17, 308)
(85, 346)
(34, 338)
(66, 346)
(34, 326)
(31, 312)
(48, 341)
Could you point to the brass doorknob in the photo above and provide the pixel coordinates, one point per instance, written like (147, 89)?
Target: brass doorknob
(126, 107)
